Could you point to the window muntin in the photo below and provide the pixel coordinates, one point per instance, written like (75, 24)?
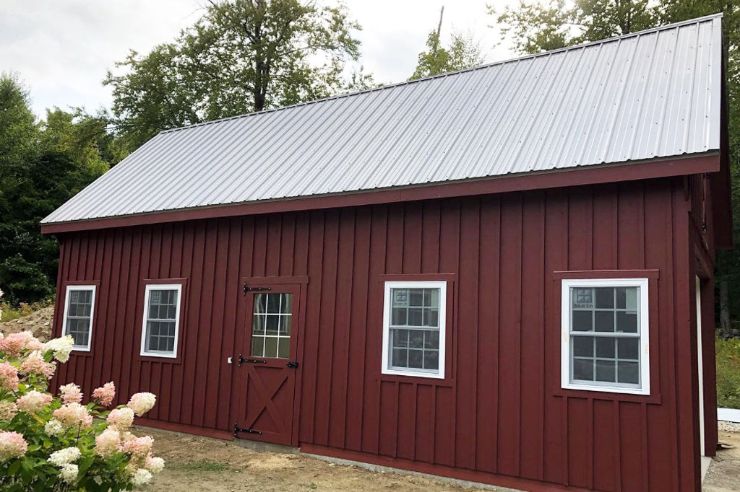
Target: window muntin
(161, 320)
(605, 335)
(414, 327)
(272, 317)
(78, 315)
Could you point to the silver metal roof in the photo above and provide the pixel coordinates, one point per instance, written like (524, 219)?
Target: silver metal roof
(651, 94)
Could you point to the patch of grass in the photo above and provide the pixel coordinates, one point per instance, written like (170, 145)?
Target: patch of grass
(9, 312)
(200, 466)
(728, 372)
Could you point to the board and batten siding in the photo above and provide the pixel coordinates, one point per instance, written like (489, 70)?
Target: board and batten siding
(502, 410)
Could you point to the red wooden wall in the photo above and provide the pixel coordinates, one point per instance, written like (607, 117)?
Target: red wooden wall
(501, 414)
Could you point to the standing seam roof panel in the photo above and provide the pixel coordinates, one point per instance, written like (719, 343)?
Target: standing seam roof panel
(653, 94)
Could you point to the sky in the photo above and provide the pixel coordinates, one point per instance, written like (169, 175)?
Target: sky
(62, 49)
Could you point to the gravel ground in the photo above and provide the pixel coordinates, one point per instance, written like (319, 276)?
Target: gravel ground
(724, 472)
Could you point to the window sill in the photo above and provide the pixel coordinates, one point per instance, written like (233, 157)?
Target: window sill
(607, 389)
(618, 395)
(81, 352)
(420, 380)
(161, 359)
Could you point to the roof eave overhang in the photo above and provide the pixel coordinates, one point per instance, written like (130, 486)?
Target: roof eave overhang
(608, 173)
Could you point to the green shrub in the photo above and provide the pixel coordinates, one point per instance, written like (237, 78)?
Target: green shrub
(728, 372)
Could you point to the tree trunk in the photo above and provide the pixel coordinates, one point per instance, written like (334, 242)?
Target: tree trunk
(724, 309)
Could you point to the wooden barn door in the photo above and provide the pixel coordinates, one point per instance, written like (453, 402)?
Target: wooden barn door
(267, 366)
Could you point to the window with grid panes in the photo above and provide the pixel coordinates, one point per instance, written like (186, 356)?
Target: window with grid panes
(271, 323)
(78, 313)
(414, 328)
(607, 334)
(161, 319)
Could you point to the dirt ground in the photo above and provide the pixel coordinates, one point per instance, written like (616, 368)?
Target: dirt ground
(202, 464)
(724, 473)
(38, 322)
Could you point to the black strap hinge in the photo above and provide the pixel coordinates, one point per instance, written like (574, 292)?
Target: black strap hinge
(247, 289)
(238, 429)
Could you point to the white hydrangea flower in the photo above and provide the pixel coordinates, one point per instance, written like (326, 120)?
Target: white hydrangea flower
(69, 473)
(141, 477)
(98, 480)
(141, 403)
(154, 464)
(53, 427)
(64, 456)
(61, 347)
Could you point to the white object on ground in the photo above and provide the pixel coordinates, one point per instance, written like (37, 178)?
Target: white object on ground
(728, 414)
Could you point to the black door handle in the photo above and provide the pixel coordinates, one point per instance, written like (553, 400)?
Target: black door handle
(293, 364)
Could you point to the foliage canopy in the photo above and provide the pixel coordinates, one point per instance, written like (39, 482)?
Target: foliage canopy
(42, 165)
(241, 56)
(462, 53)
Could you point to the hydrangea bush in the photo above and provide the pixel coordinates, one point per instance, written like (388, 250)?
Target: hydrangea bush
(58, 443)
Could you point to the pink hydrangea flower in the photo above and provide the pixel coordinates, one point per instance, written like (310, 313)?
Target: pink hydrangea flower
(138, 446)
(141, 403)
(73, 415)
(108, 442)
(8, 409)
(35, 344)
(70, 393)
(35, 364)
(33, 401)
(15, 343)
(12, 445)
(105, 394)
(121, 418)
(8, 377)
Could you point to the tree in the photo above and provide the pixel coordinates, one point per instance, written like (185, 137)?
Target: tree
(42, 165)
(29, 260)
(462, 53)
(536, 26)
(18, 129)
(539, 27)
(85, 138)
(241, 56)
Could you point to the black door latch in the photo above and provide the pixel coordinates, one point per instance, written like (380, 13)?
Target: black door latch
(246, 360)
(293, 364)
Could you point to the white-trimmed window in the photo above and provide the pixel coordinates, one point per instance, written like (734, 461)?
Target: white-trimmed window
(79, 309)
(271, 325)
(414, 328)
(605, 335)
(161, 320)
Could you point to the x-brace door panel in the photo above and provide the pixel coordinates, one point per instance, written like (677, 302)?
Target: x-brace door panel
(267, 366)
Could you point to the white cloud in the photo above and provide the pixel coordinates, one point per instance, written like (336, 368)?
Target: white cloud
(62, 48)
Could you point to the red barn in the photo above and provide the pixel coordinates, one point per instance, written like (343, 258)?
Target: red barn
(503, 274)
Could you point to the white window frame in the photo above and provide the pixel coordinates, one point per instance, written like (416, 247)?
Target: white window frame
(644, 330)
(415, 284)
(147, 290)
(70, 288)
